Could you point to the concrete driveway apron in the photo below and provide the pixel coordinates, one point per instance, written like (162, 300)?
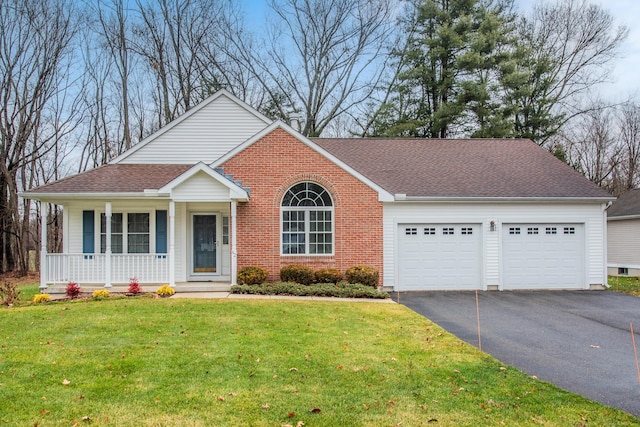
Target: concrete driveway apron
(578, 340)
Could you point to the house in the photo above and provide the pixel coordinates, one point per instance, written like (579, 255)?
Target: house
(623, 235)
(223, 187)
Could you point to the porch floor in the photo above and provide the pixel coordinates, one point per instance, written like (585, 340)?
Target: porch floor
(180, 287)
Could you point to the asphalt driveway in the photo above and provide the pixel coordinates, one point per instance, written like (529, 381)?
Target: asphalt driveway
(578, 340)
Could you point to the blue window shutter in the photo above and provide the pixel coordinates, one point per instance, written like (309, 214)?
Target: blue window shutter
(161, 232)
(88, 237)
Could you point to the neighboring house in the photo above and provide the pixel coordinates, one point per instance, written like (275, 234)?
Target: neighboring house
(623, 235)
(223, 187)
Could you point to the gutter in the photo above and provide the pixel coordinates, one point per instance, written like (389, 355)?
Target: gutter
(440, 199)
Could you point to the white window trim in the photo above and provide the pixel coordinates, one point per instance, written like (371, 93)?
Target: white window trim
(125, 249)
(307, 221)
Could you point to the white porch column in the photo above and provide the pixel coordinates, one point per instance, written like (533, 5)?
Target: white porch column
(107, 250)
(44, 210)
(172, 243)
(234, 252)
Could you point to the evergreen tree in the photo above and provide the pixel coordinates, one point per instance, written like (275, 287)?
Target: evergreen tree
(448, 79)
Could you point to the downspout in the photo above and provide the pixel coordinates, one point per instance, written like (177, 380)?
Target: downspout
(605, 244)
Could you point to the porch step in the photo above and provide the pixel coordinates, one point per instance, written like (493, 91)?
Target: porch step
(121, 289)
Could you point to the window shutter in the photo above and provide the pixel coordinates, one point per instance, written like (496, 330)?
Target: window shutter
(161, 232)
(88, 237)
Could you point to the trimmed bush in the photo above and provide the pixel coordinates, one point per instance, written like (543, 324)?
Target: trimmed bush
(363, 274)
(73, 290)
(297, 273)
(41, 298)
(341, 290)
(165, 291)
(252, 276)
(328, 275)
(100, 293)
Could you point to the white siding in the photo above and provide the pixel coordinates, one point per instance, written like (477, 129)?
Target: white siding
(202, 137)
(200, 187)
(591, 215)
(623, 242)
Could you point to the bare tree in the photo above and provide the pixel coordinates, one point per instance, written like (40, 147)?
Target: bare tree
(173, 36)
(568, 48)
(593, 148)
(322, 58)
(113, 28)
(34, 47)
(629, 125)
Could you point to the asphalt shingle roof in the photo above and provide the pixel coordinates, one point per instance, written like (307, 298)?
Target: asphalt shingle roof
(462, 167)
(483, 168)
(628, 204)
(118, 178)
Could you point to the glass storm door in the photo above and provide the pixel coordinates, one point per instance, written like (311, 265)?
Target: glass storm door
(204, 244)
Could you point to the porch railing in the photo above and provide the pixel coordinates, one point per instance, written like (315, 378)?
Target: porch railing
(91, 268)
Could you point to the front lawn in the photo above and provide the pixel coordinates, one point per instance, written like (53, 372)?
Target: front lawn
(131, 362)
(625, 285)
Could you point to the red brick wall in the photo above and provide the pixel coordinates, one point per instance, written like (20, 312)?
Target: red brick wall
(269, 167)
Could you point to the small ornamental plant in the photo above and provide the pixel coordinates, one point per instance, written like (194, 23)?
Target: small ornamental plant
(165, 291)
(41, 298)
(100, 294)
(134, 287)
(73, 290)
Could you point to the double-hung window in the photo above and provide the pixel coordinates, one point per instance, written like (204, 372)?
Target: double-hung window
(130, 237)
(307, 220)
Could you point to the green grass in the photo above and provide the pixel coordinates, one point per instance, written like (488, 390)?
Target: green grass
(625, 285)
(176, 362)
(27, 292)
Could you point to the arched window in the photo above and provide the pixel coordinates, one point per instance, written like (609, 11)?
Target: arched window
(307, 220)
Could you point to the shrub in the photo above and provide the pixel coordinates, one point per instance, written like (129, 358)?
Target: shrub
(363, 274)
(165, 291)
(328, 275)
(134, 287)
(297, 273)
(342, 290)
(100, 293)
(41, 298)
(252, 276)
(8, 293)
(73, 290)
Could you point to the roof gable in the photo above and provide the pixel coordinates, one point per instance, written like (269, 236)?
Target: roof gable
(383, 195)
(464, 168)
(203, 133)
(201, 183)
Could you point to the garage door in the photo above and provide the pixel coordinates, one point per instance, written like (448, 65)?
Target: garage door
(543, 256)
(439, 256)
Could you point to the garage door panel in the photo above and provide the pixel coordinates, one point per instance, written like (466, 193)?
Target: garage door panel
(543, 256)
(439, 256)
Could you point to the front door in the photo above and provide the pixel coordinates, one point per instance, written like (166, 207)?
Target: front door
(205, 244)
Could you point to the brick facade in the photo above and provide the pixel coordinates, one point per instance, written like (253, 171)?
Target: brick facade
(269, 167)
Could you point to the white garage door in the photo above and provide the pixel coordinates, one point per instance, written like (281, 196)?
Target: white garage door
(543, 256)
(439, 256)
